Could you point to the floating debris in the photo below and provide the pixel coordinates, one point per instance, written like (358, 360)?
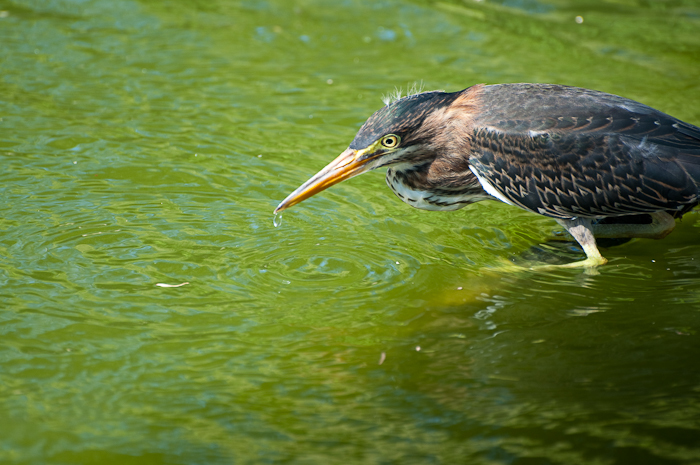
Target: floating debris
(170, 285)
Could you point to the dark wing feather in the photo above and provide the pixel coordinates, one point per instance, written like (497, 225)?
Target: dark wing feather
(615, 163)
(689, 155)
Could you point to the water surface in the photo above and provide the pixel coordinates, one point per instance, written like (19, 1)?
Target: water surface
(147, 143)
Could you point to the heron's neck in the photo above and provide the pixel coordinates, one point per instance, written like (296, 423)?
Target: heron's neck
(445, 183)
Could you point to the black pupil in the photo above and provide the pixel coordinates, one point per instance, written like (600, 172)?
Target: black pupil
(390, 141)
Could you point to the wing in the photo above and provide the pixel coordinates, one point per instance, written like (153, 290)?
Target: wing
(608, 160)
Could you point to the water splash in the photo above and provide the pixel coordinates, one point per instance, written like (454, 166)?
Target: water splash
(277, 221)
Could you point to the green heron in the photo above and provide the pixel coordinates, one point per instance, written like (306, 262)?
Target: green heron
(599, 164)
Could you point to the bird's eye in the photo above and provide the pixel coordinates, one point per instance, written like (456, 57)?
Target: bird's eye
(390, 141)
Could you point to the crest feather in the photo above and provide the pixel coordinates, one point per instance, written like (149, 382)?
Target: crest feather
(412, 90)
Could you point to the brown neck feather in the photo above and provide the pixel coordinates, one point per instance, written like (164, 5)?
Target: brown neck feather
(453, 128)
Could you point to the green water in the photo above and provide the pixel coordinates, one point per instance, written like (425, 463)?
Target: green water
(147, 143)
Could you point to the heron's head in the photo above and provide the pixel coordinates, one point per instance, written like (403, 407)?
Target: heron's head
(406, 131)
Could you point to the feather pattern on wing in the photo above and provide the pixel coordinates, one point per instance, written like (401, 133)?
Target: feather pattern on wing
(567, 152)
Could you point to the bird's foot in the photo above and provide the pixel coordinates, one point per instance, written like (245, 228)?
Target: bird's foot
(589, 265)
(590, 262)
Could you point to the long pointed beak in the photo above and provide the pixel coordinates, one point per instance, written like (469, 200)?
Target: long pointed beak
(347, 165)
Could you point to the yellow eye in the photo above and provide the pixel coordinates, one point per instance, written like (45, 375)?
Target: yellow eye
(390, 141)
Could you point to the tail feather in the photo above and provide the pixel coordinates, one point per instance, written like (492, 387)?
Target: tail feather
(689, 156)
(689, 130)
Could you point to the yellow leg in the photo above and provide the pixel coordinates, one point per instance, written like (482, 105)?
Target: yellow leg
(585, 232)
(581, 230)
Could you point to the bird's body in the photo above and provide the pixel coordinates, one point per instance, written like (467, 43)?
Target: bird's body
(577, 155)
